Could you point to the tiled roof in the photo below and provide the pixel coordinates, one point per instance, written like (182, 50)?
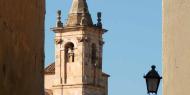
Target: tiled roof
(48, 92)
(50, 69)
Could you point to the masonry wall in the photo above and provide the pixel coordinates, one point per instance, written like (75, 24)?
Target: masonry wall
(21, 47)
(176, 47)
(49, 81)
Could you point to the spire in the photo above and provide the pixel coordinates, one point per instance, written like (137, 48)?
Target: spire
(79, 14)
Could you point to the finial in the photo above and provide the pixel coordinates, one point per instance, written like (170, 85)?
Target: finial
(99, 23)
(153, 67)
(59, 23)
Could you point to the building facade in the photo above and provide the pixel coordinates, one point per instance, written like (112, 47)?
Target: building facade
(78, 55)
(176, 47)
(22, 47)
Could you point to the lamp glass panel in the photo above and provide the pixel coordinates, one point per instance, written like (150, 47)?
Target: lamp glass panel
(152, 84)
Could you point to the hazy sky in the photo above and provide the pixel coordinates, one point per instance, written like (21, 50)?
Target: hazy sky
(132, 44)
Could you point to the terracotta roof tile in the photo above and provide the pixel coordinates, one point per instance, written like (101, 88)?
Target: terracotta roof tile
(50, 69)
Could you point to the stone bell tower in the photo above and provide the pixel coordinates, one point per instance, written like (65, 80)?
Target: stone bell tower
(78, 51)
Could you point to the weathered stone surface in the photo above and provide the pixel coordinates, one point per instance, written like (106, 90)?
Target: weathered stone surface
(82, 73)
(176, 47)
(21, 47)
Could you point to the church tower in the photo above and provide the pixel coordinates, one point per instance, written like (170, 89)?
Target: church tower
(78, 53)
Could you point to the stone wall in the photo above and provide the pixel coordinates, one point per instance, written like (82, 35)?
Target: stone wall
(21, 47)
(176, 47)
(49, 81)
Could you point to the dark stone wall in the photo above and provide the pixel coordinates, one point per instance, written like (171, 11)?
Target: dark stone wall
(22, 47)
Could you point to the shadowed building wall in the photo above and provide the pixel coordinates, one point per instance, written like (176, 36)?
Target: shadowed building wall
(21, 47)
(176, 47)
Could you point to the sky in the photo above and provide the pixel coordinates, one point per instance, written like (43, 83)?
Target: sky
(132, 44)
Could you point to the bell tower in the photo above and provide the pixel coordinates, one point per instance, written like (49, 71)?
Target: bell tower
(78, 53)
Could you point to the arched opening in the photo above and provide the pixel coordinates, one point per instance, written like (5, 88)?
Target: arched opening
(93, 53)
(69, 52)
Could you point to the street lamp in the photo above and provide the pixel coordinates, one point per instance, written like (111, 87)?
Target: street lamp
(152, 80)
